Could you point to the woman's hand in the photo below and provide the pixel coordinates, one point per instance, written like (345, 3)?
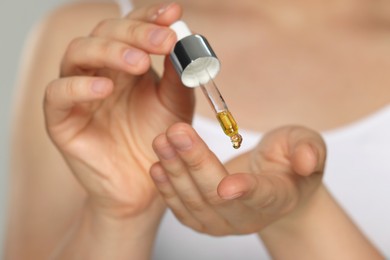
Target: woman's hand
(108, 105)
(275, 180)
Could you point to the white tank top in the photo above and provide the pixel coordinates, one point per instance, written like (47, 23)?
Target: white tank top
(125, 6)
(357, 174)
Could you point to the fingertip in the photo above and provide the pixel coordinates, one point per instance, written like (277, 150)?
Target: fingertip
(63, 94)
(181, 136)
(168, 13)
(101, 87)
(137, 62)
(158, 141)
(305, 159)
(168, 44)
(158, 174)
(180, 127)
(163, 148)
(233, 187)
(229, 195)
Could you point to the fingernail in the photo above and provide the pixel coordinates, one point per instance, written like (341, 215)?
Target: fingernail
(160, 11)
(159, 35)
(159, 176)
(182, 142)
(232, 196)
(133, 57)
(99, 86)
(166, 152)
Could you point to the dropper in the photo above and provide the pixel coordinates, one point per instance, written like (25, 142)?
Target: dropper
(197, 65)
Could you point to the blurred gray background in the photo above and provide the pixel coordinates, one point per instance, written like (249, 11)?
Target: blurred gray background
(16, 19)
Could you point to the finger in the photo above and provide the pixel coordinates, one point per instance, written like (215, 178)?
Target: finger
(297, 147)
(149, 37)
(259, 192)
(246, 187)
(177, 98)
(62, 95)
(88, 53)
(184, 186)
(307, 151)
(306, 159)
(203, 166)
(162, 14)
(178, 174)
(207, 172)
(170, 197)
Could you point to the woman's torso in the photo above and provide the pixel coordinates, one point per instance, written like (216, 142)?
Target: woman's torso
(334, 81)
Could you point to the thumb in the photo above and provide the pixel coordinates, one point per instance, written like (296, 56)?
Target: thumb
(263, 192)
(252, 189)
(177, 98)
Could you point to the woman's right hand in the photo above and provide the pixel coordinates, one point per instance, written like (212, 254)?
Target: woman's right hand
(108, 105)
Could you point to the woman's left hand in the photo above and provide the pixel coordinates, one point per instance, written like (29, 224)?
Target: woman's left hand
(275, 180)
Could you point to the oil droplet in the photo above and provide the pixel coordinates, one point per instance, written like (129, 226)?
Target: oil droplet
(230, 128)
(236, 140)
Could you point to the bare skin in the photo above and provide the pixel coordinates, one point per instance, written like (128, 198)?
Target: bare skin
(339, 64)
(320, 50)
(274, 190)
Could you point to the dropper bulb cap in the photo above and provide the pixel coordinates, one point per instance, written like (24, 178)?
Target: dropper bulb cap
(192, 56)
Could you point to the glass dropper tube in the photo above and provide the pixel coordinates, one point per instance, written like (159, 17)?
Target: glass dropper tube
(225, 118)
(197, 65)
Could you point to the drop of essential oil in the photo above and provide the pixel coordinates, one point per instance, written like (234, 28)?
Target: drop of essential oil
(236, 141)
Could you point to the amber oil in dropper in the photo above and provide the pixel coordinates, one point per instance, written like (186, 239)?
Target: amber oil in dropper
(225, 118)
(230, 127)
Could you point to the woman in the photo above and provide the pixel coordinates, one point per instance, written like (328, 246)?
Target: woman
(297, 41)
